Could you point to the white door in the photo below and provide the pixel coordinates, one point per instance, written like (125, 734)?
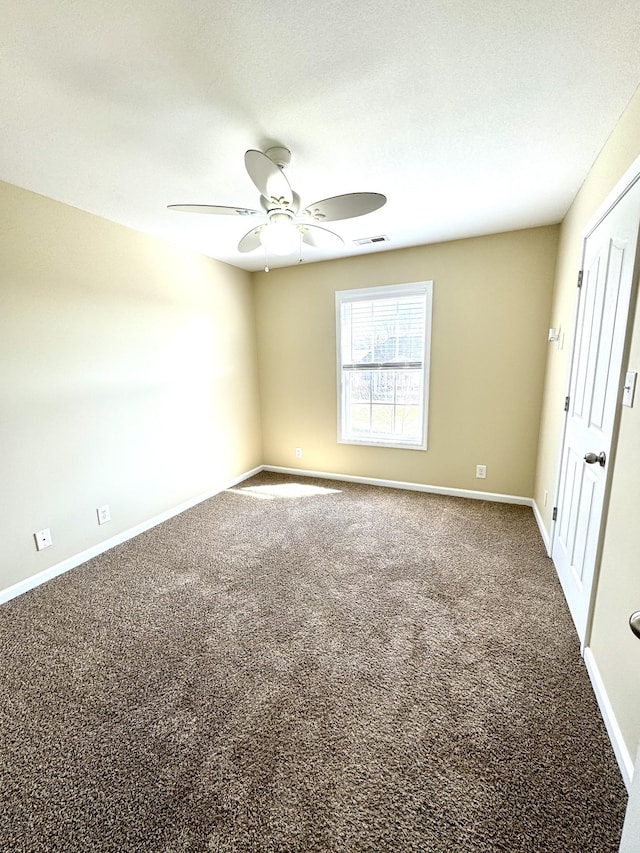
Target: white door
(595, 391)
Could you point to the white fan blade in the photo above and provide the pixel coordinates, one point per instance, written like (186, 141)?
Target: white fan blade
(344, 206)
(250, 241)
(313, 235)
(269, 179)
(218, 209)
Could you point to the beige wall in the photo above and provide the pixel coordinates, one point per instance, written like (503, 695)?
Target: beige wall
(616, 651)
(491, 303)
(127, 376)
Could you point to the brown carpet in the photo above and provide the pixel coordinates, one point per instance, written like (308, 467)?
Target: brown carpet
(303, 665)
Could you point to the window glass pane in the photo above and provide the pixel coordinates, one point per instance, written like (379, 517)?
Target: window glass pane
(382, 420)
(383, 401)
(409, 386)
(359, 418)
(382, 386)
(408, 420)
(359, 385)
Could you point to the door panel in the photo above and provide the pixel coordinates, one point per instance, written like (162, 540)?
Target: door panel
(574, 527)
(595, 389)
(603, 363)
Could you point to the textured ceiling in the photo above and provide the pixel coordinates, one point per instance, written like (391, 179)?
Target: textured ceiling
(472, 117)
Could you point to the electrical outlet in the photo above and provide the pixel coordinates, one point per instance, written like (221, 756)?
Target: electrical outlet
(298, 453)
(43, 539)
(104, 514)
(481, 472)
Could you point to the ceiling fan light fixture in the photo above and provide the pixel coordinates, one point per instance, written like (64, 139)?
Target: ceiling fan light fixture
(280, 236)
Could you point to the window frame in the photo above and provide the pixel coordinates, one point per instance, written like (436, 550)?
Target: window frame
(364, 294)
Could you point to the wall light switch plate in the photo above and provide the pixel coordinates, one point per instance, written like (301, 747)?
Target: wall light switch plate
(629, 388)
(43, 539)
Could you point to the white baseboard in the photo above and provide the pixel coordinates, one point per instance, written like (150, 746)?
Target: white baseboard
(624, 759)
(71, 562)
(543, 530)
(397, 484)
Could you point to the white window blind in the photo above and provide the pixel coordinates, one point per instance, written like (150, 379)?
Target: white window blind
(383, 345)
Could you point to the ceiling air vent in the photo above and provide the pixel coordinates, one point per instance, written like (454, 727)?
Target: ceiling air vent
(365, 241)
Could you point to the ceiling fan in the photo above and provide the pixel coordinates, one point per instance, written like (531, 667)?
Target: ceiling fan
(286, 225)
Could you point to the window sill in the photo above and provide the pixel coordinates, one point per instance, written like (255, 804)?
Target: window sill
(392, 445)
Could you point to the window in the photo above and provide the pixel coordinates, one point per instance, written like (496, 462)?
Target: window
(383, 348)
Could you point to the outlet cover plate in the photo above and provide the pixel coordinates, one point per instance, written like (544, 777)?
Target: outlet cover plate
(481, 472)
(43, 539)
(104, 514)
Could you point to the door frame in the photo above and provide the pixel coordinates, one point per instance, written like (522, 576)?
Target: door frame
(622, 186)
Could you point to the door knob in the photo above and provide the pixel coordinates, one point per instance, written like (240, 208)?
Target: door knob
(601, 458)
(634, 623)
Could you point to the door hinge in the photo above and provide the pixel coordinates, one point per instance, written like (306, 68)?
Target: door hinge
(580, 279)
(555, 513)
(566, 404)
